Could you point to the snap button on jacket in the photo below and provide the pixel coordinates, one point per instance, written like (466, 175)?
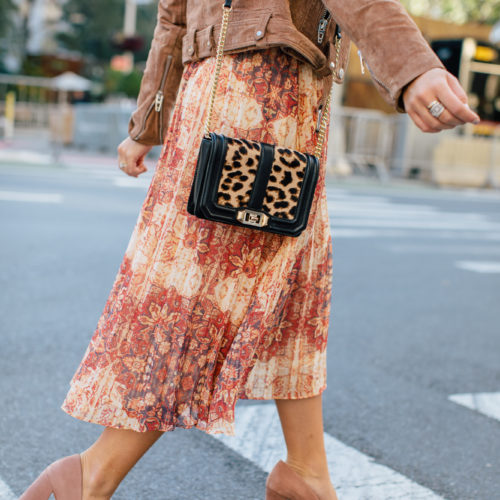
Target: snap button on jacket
(187, 30)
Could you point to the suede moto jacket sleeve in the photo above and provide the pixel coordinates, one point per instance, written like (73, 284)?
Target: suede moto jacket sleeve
(392, 46)
(160, 82)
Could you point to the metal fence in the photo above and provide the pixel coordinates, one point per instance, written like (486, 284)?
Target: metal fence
(94, 127)
(30, 115)
(365, 141)
(100, 126)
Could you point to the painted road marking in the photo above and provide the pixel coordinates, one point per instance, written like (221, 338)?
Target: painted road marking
(483, 267)
(35, 158)
(6, 492)
(440, 194)
(400, 233)
(434, 224)
(132, 182)
(487, 403)
(402, 212)
(445, 249)
(356, 476)
(31, 197)
(359, 216)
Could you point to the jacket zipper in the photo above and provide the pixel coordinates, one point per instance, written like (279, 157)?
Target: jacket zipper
(382, 84)
(361, 62)
(323, 25)
(157, 103)
(337, 37)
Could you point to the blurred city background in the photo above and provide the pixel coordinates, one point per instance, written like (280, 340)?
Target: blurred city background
(70, 71)
(412, 407)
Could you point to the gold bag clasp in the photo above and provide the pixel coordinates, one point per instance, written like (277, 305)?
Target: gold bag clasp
(252, 218)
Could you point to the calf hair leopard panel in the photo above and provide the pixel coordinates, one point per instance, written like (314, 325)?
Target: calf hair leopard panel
(285, 181)
(238, 172)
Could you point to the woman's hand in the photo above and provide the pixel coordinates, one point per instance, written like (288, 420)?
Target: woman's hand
(131, 157)
(437, 85)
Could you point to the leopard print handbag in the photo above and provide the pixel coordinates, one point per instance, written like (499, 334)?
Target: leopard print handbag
(253, 184)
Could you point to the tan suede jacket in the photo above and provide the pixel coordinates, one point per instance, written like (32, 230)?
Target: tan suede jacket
(391, 45)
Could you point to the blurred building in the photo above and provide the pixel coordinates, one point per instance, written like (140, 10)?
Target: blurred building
(360, 91)
(44, 22)
(33, 29)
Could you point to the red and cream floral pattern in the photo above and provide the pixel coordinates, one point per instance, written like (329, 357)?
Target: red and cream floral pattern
(201, 313)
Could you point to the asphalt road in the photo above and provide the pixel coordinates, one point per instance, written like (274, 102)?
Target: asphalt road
(415, 320)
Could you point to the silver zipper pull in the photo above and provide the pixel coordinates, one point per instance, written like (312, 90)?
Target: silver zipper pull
(158, 101)
(322, 30)
(320, 114)
(361, 62)
(322, 25)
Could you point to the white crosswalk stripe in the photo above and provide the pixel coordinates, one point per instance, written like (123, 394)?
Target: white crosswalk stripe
(6, 492)
(483, 267)
(355, 475)
(487, 403)
(31, 197)
(132, 182)
(358, 216)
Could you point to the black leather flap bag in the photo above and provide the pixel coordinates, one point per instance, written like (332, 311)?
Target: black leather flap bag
(253, 184)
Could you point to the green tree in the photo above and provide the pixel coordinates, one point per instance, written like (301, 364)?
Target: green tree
(7, 8)
(14, 27)
(458, 11)
(92, 24)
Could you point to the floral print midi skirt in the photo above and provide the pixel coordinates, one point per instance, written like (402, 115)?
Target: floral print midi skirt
(203, 313)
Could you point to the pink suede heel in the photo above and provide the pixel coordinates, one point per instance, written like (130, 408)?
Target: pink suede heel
(63, 478)
(283, 483)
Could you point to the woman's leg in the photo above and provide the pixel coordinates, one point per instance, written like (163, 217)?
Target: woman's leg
(110, 458)
(302, 424)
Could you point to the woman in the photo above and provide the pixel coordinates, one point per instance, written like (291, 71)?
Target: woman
(203, 313)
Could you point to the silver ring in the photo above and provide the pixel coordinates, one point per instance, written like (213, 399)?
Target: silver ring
(122, 165)
(435, 109)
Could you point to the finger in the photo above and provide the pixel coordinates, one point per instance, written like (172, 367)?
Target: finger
(448, 119)
(455, 106)
(421, 124)
(137, 170)
(134, 164)
(432, 124)
(456, 87)
(131, 166)
(431, 121)
(419, 113)
(122, 164)
(137, 163)
(142, 166)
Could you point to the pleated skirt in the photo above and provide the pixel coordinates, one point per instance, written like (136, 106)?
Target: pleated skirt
(202, 314)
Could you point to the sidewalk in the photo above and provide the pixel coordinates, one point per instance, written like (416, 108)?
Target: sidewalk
(36, 149)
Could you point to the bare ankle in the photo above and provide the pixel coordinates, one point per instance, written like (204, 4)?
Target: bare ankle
(309, 468)
(88, 496)
(316, 475)
(97, 484)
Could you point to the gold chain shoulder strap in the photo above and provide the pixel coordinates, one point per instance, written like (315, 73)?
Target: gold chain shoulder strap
(218, 65)
(318, 151)
(226, 9)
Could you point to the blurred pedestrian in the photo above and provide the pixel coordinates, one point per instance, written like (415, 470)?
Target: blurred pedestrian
(202, 314)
